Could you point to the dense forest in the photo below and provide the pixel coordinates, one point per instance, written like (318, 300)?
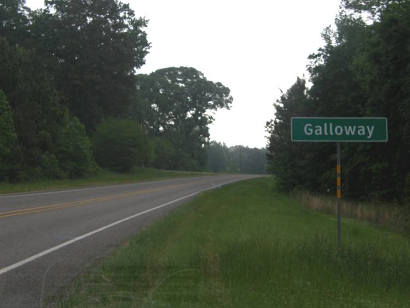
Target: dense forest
(363, 69)
(71, 100)
(222, 158)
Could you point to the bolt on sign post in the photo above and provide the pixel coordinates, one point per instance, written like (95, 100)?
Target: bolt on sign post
(322, 129)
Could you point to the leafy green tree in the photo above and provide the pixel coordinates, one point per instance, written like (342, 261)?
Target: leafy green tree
(335, 91)
(291, 163)
(119, 145)
(373, 7)
(374, 83)
(361, 71)
(253, 160)
(74, 149)
(164, 153)
(235, 159)
(334, 84)
(175, 102)
(13, 21)
(8, 140)
(94, 48)
(36, 105)
(50, 166)
(217, 158)
(384, 73)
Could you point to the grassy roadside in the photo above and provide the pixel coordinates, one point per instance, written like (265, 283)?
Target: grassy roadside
(103, 177)
(389, 215)
(247, 245)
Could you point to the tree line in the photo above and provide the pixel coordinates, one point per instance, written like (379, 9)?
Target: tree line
(71, 100)
(362, 70)
(241, 159)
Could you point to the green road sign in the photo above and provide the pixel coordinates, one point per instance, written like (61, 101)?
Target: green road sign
(339, 129)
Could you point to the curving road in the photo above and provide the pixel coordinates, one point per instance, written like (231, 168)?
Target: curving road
(48, 238)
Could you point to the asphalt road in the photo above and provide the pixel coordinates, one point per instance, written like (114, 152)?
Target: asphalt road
(48, 238)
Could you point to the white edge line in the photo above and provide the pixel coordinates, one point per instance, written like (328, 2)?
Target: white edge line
(79, 238)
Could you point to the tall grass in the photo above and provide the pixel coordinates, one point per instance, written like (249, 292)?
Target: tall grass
(389, 215)
(247, 245)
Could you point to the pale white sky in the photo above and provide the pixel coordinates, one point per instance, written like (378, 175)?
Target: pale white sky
(254, 47)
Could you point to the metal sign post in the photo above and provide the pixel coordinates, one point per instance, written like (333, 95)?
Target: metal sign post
(320, 129)
(338, 194)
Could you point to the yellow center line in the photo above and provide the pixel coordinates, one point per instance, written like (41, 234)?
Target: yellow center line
(64, 205)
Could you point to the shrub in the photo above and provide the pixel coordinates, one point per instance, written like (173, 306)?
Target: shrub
(74, 149)
(120, 145)
(50, 167)
(164, 153)
(8, 140)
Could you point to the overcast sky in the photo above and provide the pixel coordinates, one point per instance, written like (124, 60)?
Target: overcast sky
(254, 47)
